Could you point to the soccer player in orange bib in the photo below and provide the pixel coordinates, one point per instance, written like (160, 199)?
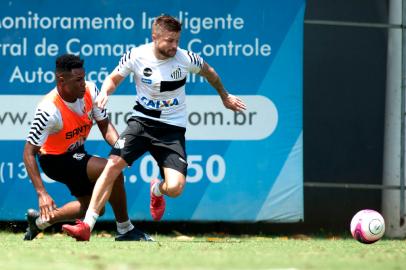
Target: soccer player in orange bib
(62, 122)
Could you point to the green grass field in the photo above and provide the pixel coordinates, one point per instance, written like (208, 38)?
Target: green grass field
(57, 251)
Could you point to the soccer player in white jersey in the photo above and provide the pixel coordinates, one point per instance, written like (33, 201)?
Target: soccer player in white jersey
(158, 121)
(62, 122)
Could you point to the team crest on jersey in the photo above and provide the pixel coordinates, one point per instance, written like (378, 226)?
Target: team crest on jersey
(176, 73)
(119, 143)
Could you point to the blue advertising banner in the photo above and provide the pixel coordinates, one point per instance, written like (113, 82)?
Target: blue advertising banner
(242, 166)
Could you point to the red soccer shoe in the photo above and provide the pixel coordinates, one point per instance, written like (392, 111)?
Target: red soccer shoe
(80, 231)
(157, 204)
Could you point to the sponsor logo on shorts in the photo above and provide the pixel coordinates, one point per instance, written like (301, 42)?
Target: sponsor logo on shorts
(182, 160)
(79, 156)
(119, 144)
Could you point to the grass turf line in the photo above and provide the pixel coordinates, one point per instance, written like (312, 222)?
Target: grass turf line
(199, 252)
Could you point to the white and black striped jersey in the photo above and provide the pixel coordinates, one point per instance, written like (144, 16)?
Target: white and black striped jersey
(48, 118)
(160, 84)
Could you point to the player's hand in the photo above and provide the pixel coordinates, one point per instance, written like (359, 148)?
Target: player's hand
(101, 99)
(47, 206)
(234, 103)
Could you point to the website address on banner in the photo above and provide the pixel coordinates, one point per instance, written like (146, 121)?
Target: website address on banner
(207, 118)
(118, 118)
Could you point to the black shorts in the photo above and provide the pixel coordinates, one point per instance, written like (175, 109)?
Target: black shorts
(70, 169)
(166, 143)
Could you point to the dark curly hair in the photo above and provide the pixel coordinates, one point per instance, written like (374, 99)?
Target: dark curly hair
(67, 62)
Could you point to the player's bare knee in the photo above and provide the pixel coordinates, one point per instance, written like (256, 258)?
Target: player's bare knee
(175, 190)
(113, 164)
(114, 170)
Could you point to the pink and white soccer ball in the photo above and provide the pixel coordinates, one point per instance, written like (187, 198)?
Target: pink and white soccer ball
(367, 226)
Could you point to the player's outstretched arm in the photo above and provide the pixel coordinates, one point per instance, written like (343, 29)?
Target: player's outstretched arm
(230, 101)
(45, 201)
(109, 86)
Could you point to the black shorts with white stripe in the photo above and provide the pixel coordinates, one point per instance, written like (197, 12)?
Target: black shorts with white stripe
(166, 143)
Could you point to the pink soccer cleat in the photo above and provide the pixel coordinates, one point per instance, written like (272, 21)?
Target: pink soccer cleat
(80, 231)
(157, 204)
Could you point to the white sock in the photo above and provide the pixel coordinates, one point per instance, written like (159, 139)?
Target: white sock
(155, 189)
(90, 219)
(123, 227)
(42, 225)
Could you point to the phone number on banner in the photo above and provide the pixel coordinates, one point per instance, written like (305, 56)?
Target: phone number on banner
(213, 169)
